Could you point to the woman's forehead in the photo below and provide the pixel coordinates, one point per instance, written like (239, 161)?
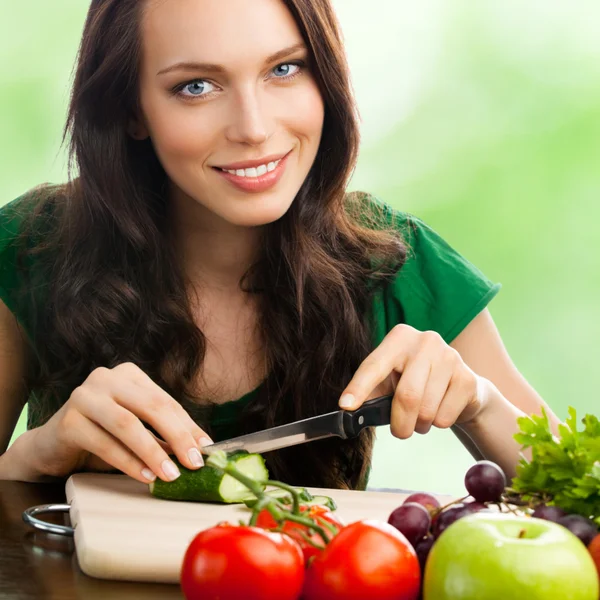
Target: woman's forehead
(215, 31)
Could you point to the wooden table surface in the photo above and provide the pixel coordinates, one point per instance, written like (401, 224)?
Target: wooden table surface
(36, 564)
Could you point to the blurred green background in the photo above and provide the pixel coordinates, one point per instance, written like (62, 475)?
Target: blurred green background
(482, 118)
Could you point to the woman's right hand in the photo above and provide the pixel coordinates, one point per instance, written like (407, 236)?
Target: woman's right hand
(100, 427)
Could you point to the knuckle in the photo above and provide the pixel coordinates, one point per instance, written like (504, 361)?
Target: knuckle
(409, 397)
(124, 420)
(401, 330)
(71, 419)
(157, 403)
(443, 422)
(98, 375)
(432, 338)
(451, 356)
(427, 415)
(77, 395)
(126, 368)
(467, 382)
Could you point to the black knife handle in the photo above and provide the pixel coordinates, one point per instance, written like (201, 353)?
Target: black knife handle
(371, 414)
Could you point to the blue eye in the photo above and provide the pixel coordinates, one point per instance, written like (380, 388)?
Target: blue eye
(285, 68)
(196, 88)
(200, 88)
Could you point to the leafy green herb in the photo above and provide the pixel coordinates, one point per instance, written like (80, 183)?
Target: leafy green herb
(563, 471)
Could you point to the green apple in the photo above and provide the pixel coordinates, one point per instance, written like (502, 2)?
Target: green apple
(492, 556)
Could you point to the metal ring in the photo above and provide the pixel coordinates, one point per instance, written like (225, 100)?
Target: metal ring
(30, 518)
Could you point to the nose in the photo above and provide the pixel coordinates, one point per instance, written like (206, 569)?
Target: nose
(250, 119)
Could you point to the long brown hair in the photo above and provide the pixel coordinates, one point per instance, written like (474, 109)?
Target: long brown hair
(109, 289)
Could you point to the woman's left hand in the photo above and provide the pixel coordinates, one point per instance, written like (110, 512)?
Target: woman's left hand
(430, 382)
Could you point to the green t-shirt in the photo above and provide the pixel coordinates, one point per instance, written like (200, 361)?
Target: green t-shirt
(436, 289)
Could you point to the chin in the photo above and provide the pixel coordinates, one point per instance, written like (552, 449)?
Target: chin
(257, 215)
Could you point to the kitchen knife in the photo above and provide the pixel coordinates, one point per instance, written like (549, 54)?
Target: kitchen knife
(341, 423)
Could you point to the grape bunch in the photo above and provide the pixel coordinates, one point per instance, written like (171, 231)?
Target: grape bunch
(421, 518)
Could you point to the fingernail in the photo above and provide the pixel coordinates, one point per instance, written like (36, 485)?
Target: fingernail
(205, 442)
(148, 474)
(195, 457)
(347, 400)
(170, 470)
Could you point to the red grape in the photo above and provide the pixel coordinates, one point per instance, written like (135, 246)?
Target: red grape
(411, 519)
(427, 500)
(448, 516)
(585, 529)
(485, 481)
(549, 513)
(422, 549)
(472, 506)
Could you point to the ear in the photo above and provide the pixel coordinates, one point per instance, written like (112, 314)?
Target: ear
(137, 129)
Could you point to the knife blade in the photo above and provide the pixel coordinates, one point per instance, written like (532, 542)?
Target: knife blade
(345, 424)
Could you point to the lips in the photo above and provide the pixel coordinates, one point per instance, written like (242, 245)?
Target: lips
(250, 164)
(260, 183)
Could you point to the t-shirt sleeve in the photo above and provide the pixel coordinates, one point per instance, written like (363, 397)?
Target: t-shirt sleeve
(436, 289)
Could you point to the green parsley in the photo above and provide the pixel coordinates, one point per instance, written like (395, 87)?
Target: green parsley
(563, 471)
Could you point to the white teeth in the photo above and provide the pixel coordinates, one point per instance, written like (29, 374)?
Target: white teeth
(255, 172)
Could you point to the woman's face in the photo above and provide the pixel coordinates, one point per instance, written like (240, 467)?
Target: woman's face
(222, 85)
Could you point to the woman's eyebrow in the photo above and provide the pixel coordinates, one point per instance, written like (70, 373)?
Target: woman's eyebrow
(213, 68)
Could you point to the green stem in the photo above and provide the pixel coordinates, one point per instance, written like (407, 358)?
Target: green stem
(219, 461)
(437, 511)
(292, 490)
(261, 504)
(308, 523)
(310, 541)
(329, 526)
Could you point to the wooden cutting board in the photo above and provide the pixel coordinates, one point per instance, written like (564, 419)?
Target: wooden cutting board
(123, 533)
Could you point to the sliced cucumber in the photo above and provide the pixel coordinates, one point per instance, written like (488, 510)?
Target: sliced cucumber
(305, 497)
(281, 494)
(207, 485)
(323, 501)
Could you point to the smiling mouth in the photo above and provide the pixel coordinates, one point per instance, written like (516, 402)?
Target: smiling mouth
(253, 171)
(259, 178)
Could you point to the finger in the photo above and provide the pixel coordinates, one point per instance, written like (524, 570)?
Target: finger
(163, 444)
(134, 373)
(461, 392)
(93, 438)
(125, 426)
(156, 407)
(390, 355)
(408, 396)
(435, 391)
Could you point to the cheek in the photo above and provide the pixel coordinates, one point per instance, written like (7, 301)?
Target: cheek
(305, 112)
(177, 132)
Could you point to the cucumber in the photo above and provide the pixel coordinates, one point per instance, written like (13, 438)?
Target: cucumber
(207, 485)
(323, 501)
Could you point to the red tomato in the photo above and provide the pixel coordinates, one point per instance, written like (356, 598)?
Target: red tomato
(231, 562)
(594, 548)
(294, 530)
(367, 559)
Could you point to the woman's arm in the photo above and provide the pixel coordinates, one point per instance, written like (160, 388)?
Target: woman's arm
(510, 396)
(13, 393)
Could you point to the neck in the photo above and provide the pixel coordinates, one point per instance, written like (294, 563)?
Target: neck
(215, 253)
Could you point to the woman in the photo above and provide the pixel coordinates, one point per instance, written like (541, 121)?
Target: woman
(205, 274)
